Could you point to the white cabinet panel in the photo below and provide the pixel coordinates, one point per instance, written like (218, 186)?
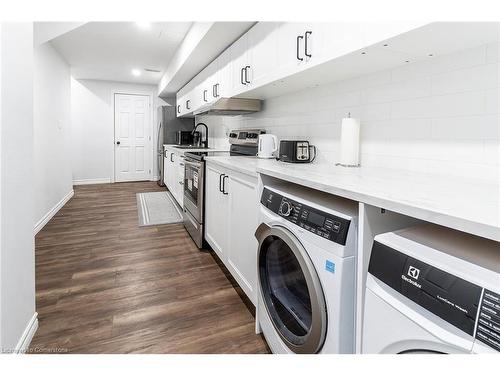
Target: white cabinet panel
(231, 218)
(298, 45)
(242, 249)
(174, 173)
(263, 53)
(179, 178)
(340, 38)
(224, 83)
(239, 65)
(216, 212)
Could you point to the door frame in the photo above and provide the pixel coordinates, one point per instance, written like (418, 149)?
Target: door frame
(152, 122)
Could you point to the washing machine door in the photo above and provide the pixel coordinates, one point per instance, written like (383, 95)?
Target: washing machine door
(291, 290)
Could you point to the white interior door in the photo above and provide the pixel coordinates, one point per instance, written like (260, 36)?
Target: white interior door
(132, 138)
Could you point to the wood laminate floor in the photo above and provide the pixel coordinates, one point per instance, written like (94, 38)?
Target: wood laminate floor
(106, 285)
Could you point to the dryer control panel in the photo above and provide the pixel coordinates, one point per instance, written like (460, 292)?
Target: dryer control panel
(451, 298)
(322, 224)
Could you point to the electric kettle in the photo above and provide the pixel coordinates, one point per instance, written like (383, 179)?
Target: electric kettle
(268, 143)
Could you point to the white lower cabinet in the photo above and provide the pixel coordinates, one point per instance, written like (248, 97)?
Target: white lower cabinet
(242, 249)
(174, 173)
(231, 217)
(216, 211)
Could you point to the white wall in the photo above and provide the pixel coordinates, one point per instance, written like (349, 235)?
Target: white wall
(438, 116)
(52, 137)
(92, 123)
(17, 259)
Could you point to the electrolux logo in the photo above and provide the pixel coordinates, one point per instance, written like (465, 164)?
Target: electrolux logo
(413, 272)
(412, 282)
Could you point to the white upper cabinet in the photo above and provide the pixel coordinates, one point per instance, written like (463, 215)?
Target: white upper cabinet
(224, 83)
(262, 56)
(298, 46)
(339, 38)
(240, 65)
(207, 86)
(276, 51)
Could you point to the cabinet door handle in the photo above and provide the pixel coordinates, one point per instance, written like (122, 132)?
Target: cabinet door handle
(241, 76)
(171, 157)
(224, 185)
(220, 182)
(187, 104)
(299, 37)
(214, 92)
(246, 73)
(306, 38)
(217, 90)
(178, 108)
(205, 95)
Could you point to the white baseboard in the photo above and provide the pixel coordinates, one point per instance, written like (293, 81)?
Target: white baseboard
(49, 215)
(30, 330)
(92, 181)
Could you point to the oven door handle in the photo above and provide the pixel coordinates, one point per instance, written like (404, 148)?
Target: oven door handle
(192, 163)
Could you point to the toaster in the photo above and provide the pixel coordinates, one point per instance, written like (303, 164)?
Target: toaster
(296, 152)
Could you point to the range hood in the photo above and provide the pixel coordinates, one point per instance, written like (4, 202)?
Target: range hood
(230, 107)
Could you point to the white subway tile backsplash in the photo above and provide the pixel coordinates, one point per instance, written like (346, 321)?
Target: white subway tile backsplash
(492, 52)
(492, 101)
(438, 115)
(479, 127)
(461, 104)
(413, 88)
(476, 78)
(409, 129)
(413, 108)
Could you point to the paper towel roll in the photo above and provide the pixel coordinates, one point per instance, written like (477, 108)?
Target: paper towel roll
(349, 142)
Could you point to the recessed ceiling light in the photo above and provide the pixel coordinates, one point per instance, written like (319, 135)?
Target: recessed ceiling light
(144, 25)
(136, 72)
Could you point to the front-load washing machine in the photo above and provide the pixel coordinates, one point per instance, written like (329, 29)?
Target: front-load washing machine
(306, 270)
(432, 290)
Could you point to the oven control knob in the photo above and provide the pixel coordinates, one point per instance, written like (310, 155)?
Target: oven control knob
(285, 208)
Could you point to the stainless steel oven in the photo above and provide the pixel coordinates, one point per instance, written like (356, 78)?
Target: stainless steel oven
(194, 181)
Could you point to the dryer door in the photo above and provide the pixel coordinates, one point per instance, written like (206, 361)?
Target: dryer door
(291, 290)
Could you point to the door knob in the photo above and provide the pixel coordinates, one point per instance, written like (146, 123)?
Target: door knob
(118, 143)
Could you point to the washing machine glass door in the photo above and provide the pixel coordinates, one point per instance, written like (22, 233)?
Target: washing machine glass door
(291, 291)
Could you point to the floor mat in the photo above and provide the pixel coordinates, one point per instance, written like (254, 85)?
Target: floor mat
(157, 208)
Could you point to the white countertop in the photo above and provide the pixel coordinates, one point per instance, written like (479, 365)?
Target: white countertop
(458, 203)
(193, 149)
(243, 164)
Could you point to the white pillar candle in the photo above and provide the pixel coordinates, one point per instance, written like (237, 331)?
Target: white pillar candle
(349, 142)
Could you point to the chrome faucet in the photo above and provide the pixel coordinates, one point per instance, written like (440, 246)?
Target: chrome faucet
(205, 142)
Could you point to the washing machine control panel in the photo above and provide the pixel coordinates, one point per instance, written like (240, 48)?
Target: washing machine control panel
(449, 297)
(320, 223)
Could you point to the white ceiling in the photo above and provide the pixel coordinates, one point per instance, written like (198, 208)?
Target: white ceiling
(110, 50)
